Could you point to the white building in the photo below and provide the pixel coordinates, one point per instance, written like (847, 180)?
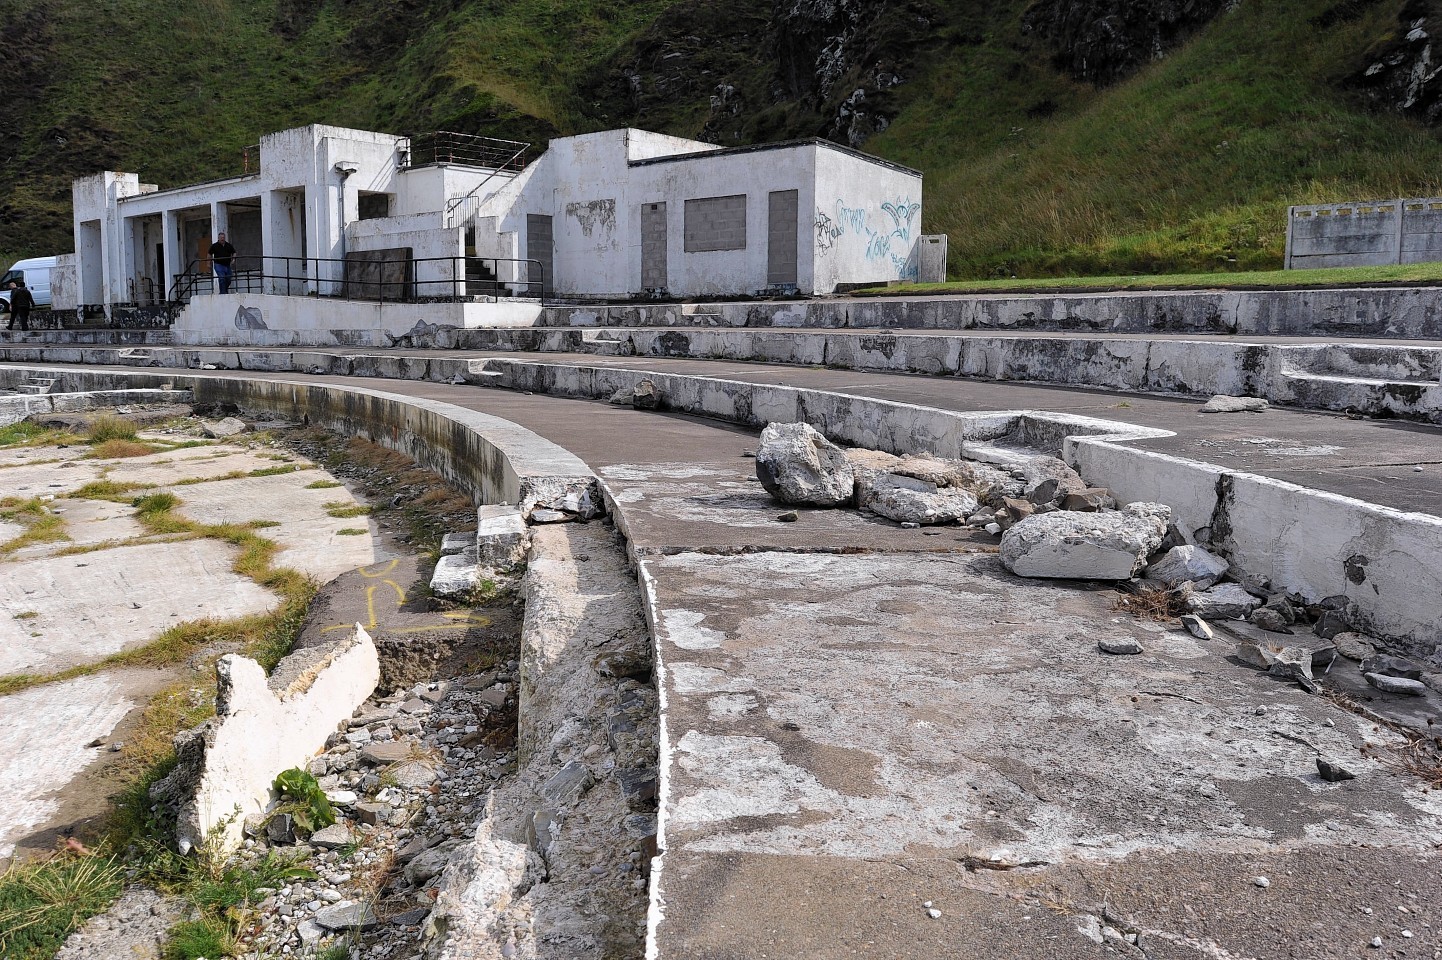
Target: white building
(612, 215)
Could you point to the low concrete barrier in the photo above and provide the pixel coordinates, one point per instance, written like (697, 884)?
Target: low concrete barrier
(17, 408)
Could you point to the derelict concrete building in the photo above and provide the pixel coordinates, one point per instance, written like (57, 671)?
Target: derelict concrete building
(464, 223)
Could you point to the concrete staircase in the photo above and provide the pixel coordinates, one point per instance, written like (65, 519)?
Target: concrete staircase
(38, 386)
(1401, 381)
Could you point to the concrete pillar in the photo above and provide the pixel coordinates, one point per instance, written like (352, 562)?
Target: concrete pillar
(170, 230)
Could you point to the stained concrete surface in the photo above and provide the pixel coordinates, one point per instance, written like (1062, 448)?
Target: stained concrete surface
(841, 726)
(35, 767)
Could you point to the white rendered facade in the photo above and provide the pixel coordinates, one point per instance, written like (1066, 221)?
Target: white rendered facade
(618, 214)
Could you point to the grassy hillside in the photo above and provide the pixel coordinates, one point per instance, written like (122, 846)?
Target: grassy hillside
(1187, 165)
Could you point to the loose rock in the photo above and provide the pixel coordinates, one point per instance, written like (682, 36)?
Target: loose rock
(1188, 563)
(1333, 772)
(1222, 403)
(1225, 601)
(797, 465)
(1083, 546)
(1121, 646)
(907, 500)
(1399, 685)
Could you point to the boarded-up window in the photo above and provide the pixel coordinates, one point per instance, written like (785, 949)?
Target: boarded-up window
(716, 223)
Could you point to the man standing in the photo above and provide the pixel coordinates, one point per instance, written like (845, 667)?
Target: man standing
(20, 303)
(222, 254)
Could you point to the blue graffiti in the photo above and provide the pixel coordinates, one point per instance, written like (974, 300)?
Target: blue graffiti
(902, 221)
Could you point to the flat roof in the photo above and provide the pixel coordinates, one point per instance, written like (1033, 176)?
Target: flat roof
(191, 186)
(779, 145)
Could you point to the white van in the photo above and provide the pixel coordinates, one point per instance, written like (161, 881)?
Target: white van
(35, 272)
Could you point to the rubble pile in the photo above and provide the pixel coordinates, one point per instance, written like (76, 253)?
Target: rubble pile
(1052, 524)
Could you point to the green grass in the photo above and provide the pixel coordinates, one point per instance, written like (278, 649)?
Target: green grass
(111, 427)
(1187, 166)
(323, 485)
(42, 902)
(41, 525)
(1421, 273)
(342, 511)
(28, 434)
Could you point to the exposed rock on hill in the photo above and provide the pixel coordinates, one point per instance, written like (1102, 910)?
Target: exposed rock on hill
(1105, 40)
(1403, 73)
(740, 71)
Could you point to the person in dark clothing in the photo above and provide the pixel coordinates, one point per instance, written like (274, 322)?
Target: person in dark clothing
(20, 303)
(222, 255)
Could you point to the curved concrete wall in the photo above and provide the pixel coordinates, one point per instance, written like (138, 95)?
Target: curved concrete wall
(492, 459)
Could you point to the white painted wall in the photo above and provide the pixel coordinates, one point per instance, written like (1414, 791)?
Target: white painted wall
(311, 321)
(867, 221)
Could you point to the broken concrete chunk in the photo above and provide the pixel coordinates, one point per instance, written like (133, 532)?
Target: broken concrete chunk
(331, 837)
(1400, 685)
(385, 753)
(454, 543)
(1225, 601)
(907, 500)
(622, 397)
(1389, 666)
(797, 465)
(1092, 498)
(1271, 619)
(1294, 663)
(222, 429)
(455, 575)
(1181, 564)
(1081, 546)
(1197, 627)
(1355, 646)
(1049, 480)
(1221, 403)
(346, 915)
(502, 539)
(646, 396)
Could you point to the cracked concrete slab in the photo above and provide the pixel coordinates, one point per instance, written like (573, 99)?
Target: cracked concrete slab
(75, 598)
(840, 719)
(310, 536)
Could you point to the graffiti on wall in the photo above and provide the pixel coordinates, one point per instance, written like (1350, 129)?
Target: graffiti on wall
(886, 233)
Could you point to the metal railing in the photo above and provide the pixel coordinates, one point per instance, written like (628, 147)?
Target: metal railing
(386, 280)
(467, 149)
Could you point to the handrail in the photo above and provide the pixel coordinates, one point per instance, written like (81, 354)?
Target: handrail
(452, 204)
(408, 279)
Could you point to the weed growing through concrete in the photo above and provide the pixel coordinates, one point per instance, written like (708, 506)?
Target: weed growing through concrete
(324, 485)
(41, 525)
(27, 434)
(351, 532)
(344, 511)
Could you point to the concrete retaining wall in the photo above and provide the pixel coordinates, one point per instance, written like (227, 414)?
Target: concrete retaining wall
(17, 408)
(1404, 312)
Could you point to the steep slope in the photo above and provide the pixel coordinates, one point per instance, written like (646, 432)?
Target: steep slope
(1056, 135)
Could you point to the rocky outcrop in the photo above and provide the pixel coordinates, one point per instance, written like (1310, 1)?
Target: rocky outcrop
(1403, 73)
(1103, 41)
(836, 63)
